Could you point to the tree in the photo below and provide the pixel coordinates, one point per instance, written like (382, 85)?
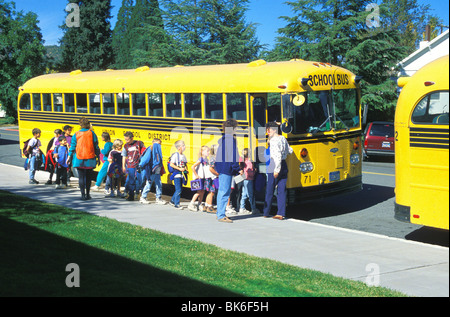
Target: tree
(22, 53)
(120, 41)
(210, 31)
(88, 47)
(337, 32)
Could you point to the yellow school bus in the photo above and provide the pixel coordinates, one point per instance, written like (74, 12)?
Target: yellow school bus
(317, 105)
(421, 150)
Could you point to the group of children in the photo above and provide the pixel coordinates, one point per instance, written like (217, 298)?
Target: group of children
(141, 167)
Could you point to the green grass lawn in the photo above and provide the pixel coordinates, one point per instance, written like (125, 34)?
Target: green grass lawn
(38, 240)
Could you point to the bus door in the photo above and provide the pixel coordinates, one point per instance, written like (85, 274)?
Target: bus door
(258, 119)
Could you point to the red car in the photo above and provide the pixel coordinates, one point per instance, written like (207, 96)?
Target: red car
(379, 139)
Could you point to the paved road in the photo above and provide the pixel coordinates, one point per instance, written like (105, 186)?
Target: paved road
(370, 210)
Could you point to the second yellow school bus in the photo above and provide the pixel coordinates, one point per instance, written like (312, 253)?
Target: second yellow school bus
(422, 147)
(318, 104)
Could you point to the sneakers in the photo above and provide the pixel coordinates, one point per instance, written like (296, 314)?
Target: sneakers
(49, 182)
(192, 207)
(33, 181)
(144, 201)
(121, 195)
(61, 186)
(95, 188)
(230, 211)
(211, 210)
(179, 207)
(244, 211)
(159, 201)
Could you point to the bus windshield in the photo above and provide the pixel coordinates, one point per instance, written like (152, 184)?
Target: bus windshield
(323, 111)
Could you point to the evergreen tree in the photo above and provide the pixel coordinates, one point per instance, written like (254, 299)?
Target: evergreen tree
(88, 47)
(210, 31)
(120, 40)
(337, 32)
(21, 53)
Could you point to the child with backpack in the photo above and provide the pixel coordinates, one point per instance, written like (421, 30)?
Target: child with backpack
(61, 165)
(248, 184)
(132, 151)
(201, 173)
(115, 169)
(33, 152)
(177, 166)
(50, 158)
(152, 163)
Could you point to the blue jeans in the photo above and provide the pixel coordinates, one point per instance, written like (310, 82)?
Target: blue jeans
(32, 170)
(157, 179)
(178, 182)
(223, 194)
(133, 182)
(247, 192)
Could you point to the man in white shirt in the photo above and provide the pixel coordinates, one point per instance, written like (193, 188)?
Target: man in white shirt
(277, 171)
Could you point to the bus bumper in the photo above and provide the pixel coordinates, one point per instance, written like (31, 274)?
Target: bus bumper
(402, 213)
(350, 185)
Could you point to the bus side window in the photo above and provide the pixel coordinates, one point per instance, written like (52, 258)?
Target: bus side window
(108, 104)
(94, 103)
(69, 102)
(58, 102)
(155, 106)
(138, 103)
(236, 107)
(193, 106)
(432, 109)
(25, 102)
(47, 102)
(123, 104)
(37, 102)
(214, 106)
(173, 105)
(81, 103)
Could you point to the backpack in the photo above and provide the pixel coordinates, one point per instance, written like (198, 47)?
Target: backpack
(170, 168)
(25, 147)
(149, 164)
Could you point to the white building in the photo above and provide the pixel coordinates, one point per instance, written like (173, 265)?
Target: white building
(428, 52)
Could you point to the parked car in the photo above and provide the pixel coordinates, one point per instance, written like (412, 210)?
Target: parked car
(379, 139)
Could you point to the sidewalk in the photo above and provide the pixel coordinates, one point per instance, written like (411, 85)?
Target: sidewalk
(413, 268)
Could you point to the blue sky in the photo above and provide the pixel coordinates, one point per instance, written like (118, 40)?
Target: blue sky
(265, 13)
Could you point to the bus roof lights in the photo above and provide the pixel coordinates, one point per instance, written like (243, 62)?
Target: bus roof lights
(142, 69)
(282, 86)
(429, 83)
(75, 72)
(257, 63)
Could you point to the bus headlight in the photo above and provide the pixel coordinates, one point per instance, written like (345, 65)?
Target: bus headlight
(354, 159)
(306, 167)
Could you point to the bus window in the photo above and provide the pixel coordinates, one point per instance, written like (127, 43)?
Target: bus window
(37, 102)
(346, 108)
(173, 105)
(138, 103)
(47, 102)
(69, 102)
(236, 107)
(58, 102)
(273, 107)
(94, 103)
(214, 106)
(25, 102)
(81, 103)
(193, 106)
(259, 114)
(432, 109)
(123, 104)
(155, 106)
(108, 104)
